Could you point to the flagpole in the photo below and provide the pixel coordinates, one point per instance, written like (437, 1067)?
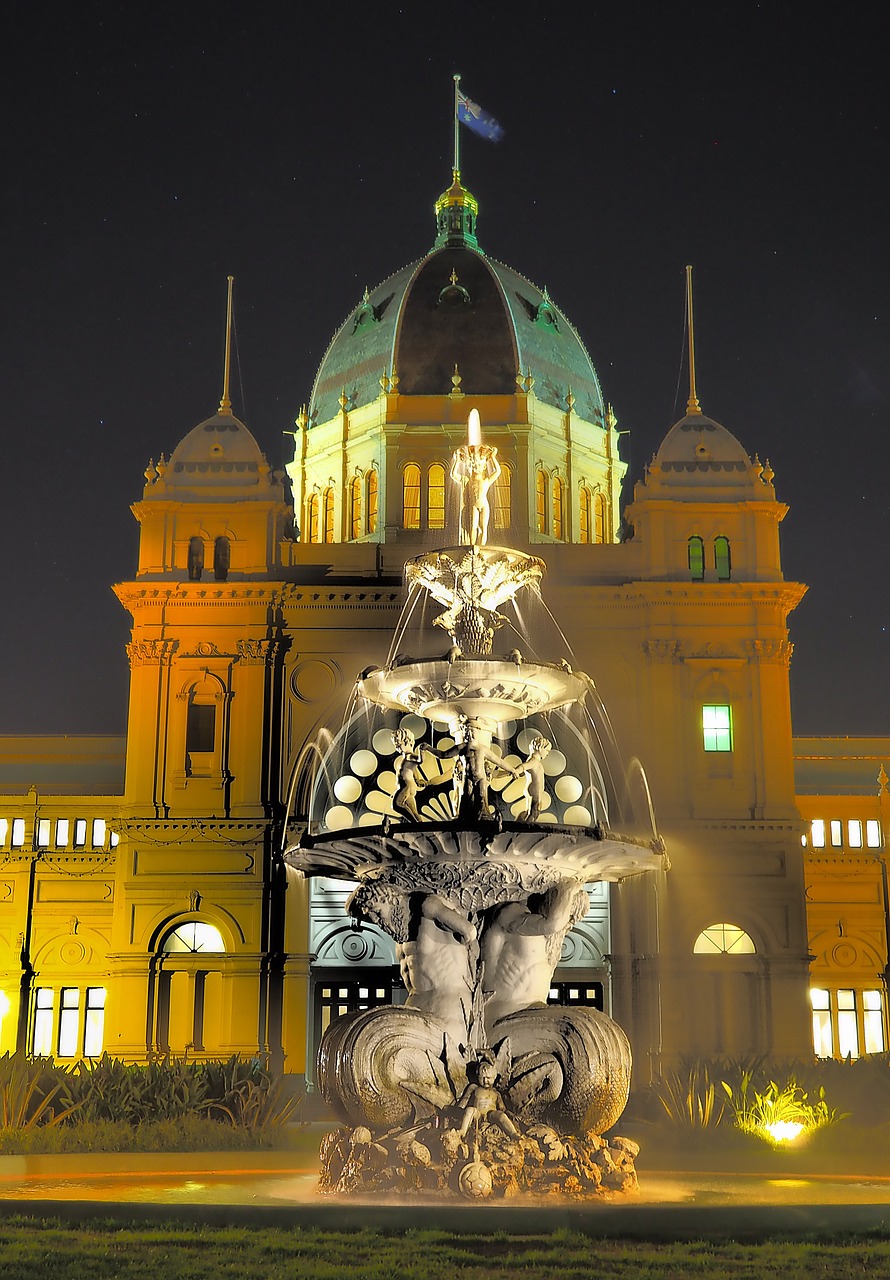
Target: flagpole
(456, 127)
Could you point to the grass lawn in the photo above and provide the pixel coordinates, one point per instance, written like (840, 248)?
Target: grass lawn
(31, 1249)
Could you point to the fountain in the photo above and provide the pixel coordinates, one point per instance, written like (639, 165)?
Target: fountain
(473, 858)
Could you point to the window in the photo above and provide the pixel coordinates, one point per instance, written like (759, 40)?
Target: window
(18, 832)
(333, 999)
(873, 1022)
(822, 1038)
(836, 833)
(584, 515)
(873, 833)
(817, 833)
(328, 513)
(193, 935)
(195, 559)
(69, 1017)
(723, 939)
(43, 829)
(436, 496)
(372, 501)
(99, 833)
(599, 518)
(587, 994)
(42, 1033)
(355, 507)
(222, 554)
(411, 497)
(557, 507)
(847, 1032)
(200, 730)
(695, 552)
(716, 723)
(62, 830)
(80, 832)
(94, 1022)
(540, 501)
(847, 1022)
(312, 518)
(722, 563)
(503, 488)
(854, 834)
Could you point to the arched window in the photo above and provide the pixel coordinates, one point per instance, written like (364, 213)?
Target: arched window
(312, 521)
(193, 935)
(328, 508)
(436, 496)
(222, 554)
(355, 507)
(503, 490)
(723, 939)
(411, 496)
(696, 557)
(371, 526)
(599, 518)
(541, 501)
(196, 559)
(722, 562)
(557, 507)
(584, 514)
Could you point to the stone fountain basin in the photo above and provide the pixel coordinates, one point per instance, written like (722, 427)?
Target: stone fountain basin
(491, 689)
(477, 869)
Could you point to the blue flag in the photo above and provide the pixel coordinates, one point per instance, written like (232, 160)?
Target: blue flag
(472, 115)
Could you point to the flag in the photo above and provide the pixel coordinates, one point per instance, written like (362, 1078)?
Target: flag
(472, 115)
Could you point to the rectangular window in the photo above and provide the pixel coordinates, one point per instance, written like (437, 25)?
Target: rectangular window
(716, 723)
(42, 1034)
(43, 830)
(836, 833)
(62, 833)
(854, 834)
(18, 832)
(80, 833)
(873, 1022)
(99, 833)
(873, 833)
(94, 1022)
(69, 1017)
(822, 1038)
(4, 829)
(200, 729)
(847, 1031)
(817, 833)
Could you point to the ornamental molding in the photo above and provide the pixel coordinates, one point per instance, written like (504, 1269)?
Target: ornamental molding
(258, 653)
(662, 650)
(148, 653)
(776, 652)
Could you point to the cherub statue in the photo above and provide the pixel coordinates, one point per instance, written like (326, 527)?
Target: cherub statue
(482, 1101)
(406, 765)
(480, 763)
(475, 468)
(533, 773)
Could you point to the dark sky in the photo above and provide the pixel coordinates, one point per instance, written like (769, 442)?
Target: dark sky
(148, 151)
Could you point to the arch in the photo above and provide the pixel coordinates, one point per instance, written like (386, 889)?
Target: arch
(599, 518)
(328, 513)
(558, 505)
(436, 496)
(312, 518)
(195, 559)
(355, 507)
(542, 489)
(373, 485)
(585, 511)
(222, 555)
(722, 558)
(191, 936)
(724, 938)
(695, 558)
(411, 496)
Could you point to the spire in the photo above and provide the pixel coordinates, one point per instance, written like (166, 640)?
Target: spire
(225, 404)
(692, 404)
(456, 211)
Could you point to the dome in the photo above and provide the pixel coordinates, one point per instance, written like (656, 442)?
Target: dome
(456, 306)
(218, 453)
(698, 450)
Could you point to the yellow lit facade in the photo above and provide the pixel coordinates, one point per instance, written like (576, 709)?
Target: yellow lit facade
(144, 907)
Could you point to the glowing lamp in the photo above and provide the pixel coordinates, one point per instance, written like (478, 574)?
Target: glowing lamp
(784, 1130)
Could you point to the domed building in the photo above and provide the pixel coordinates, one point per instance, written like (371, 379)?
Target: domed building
(155, 914)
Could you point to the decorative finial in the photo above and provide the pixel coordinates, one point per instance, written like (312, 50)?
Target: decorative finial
(768, 474)
(343, 399)
(692, 404)
(225, 404)
(456, 380)
(882, 781)
(611, 420)
(570, 400)
(453, 276)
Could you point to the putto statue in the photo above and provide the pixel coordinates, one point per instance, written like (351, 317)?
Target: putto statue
(472, 848)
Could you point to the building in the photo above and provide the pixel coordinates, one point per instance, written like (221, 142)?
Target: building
(147, 910)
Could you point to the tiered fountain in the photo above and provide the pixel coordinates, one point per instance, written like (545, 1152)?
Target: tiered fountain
(473, 858)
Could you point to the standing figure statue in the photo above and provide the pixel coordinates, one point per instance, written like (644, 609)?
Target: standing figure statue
(475, 468)
(406, 765)
(478, 763)
(533, 772)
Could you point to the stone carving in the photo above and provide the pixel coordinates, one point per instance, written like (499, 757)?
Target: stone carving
(146, 653)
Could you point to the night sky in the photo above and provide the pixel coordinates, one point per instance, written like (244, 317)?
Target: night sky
(150, 151)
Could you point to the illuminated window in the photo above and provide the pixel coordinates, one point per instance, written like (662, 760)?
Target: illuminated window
(716, 723)
(18, 832)
(817, 833)
(99, 833)
(42, 1031)
(411, 496)
(312, 521)
(851, 1020)
(557, 507)
(836, 834)
(355, 507)
(873, 1021)
(43, 830)
(62, 833)
(599, 518)
(723, 939)
(196, 559)
(823, 1041)
(584, 514)
(873, 833)
(503, 499)
(436, 496)
(194, 935)
(854, 834)
(200, 729)
(722, 562)
(540, 501)
(372, 501)
(847, 1030)
(222, 555)
(695, 552)
(69, 1017)
(587, 994)
(80, 833)
(4, 830)
(94, 1022)
(332, 1001)
(328, 514)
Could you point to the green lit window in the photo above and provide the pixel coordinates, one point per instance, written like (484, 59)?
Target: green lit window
(696, 556)
(722, 562)
(436, 496)
(716, 724)
(723, 939)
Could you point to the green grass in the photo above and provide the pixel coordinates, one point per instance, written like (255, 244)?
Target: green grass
(189, 1133)
(33, 1248)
